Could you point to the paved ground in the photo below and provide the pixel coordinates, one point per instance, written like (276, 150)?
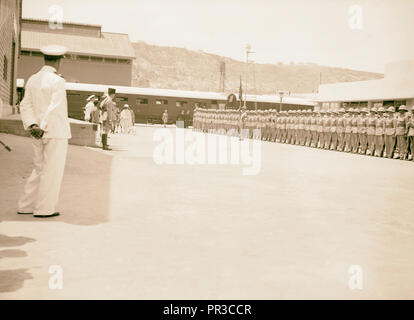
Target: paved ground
(133, 229)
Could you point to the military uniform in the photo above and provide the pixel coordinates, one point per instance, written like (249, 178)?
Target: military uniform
(371, 131)
(44, 112)
(410, 135)
(326, 131)
(314, 130)
(401, 131)
(340, 129)
(283, 127)
(307, 128)
(334, 128)
(348, 130)
(379, 132)
(354, 131)
(389, 134)
(362, 131)
(319, 129)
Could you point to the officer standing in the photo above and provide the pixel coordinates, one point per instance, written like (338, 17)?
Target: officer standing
(334, 128)
(314, 130)
(165, 118)
(401, 131)
(348, 130)
(326, 130)
(379, 132)
(371, 130)
(44, 112)
(410, 125)
(108, 116)
(319, 129)
(389, 134)
(362, 131)
(340, 129)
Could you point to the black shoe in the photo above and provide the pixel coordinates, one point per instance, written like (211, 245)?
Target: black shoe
(24, 212)
(106, 148)
(47, 215)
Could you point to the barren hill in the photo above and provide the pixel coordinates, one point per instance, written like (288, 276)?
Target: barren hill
(179, 68)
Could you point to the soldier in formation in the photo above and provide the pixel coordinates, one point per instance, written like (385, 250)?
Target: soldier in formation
(378, 132)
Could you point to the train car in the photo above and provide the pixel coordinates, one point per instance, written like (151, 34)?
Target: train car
(149, 103)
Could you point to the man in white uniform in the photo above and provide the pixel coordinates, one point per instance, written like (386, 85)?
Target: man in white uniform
(44, 112)
(89, 107)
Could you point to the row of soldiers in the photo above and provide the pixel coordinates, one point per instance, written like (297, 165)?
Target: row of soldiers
(380, 132)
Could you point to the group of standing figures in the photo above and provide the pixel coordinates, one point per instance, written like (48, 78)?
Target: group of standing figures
(380, 132)
(108, 116)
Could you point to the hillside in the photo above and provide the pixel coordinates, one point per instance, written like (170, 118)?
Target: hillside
(179, 68)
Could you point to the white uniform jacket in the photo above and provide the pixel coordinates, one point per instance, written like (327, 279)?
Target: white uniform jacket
(45, 104)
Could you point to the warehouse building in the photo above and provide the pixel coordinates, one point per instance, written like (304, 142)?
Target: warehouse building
(10, 17)
(395, 89)
(93, 56)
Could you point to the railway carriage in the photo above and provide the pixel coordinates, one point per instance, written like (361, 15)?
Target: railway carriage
(149, 103)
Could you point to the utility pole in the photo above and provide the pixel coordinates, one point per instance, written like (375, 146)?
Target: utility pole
(248, 51)
(222, 85)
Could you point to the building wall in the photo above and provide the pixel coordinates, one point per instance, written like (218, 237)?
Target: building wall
(10, 15)
(67, 28)
(73, 70)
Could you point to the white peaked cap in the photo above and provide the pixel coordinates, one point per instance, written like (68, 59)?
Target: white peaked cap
(53, 50)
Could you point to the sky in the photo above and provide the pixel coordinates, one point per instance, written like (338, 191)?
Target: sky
(361, 35)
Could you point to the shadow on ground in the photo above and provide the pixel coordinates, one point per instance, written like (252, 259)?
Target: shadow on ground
(84, 196)
(12, 280)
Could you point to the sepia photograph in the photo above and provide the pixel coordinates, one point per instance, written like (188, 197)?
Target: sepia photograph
(177, 150)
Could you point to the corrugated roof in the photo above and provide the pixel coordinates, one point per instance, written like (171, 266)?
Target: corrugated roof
(114, 45)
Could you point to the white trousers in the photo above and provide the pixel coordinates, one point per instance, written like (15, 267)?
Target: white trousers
(41, 192)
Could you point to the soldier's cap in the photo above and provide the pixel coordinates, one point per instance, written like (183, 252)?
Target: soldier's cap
(390, 109)
(381, 109)
(350, 110)
(111, 91)
(90, 97)
(373, 109)
(341, 110)
(403, 108)
(54, 50)
(364, 110)
(126, 105)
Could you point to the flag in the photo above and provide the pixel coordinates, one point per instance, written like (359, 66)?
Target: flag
(241, 93)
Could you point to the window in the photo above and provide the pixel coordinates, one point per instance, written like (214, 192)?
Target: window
(400, 103)
(181, 103)
(97, 59)
(160, 101)
(388, 103)
(110, 60)
(37, 54)
(121, 99)
(200, 104)
(5, 67)
(83, 58)
(142, 101)
(124, 61)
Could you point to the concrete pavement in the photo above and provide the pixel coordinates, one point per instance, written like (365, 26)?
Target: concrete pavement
(132, 229)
